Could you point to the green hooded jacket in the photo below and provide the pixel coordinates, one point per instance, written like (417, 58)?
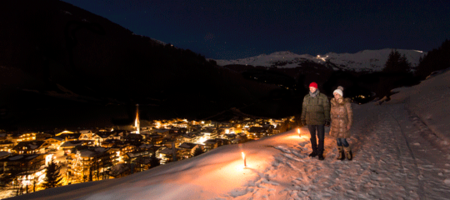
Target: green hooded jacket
(316, 110)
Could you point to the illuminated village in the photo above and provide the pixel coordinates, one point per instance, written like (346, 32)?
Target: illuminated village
(85, 155)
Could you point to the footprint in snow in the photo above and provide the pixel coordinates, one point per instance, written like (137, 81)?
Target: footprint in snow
(237, 193)
(279, 159)
(290, 157)
(291, 166)
(260, 186)
(283, 149)
(299, 155)
(447, 181)
(271, 177)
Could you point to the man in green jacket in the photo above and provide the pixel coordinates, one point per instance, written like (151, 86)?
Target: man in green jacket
(316, 114)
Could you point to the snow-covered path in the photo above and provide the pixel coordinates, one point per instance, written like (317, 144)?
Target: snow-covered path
(401, 151)
(392, 161)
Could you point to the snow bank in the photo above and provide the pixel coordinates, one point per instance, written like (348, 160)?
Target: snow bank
(430, 102)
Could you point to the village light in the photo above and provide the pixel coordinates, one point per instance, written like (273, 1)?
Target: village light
(202, 140)
(245, 160)
(48, 159)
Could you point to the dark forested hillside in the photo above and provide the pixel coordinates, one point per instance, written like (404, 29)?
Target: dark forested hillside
(57, 59)
(436, 59)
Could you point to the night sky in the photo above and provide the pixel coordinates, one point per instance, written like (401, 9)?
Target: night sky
(244, 28)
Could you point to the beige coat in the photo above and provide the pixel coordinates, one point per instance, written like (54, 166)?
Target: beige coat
(341, 115)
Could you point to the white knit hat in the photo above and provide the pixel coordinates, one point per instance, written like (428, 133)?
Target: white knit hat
(339, 91)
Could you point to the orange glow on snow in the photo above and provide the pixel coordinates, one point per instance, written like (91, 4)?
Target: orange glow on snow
(297, 136)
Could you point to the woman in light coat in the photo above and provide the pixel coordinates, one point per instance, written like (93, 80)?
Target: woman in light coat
(341, 121)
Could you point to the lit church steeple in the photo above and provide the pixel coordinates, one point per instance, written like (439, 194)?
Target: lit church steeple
(137, 123)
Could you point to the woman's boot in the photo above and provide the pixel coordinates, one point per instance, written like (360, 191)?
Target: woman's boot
(348, 153)
(341, 155)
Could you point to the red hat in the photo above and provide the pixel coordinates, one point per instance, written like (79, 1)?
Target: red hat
(314, 85)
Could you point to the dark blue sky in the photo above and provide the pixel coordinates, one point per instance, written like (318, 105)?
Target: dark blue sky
(243, 28)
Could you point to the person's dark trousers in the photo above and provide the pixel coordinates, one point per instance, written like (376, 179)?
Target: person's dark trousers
(342, 142)
(320, 131)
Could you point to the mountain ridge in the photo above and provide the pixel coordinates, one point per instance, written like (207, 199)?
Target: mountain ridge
(365, 60)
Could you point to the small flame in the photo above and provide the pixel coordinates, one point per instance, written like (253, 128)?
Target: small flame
(298, 131)
(243, 155)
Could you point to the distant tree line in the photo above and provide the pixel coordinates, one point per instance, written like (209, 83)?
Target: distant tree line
(436, 59)
(398, 72)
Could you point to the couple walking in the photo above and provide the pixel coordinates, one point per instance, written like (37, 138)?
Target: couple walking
(316, 114)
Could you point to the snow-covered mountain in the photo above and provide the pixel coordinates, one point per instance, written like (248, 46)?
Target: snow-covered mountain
(401, 151)
(367, 60)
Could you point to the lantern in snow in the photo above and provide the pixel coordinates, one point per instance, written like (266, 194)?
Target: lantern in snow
(245, 161)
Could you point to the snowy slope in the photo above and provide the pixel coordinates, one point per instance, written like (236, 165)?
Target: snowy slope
(367, 60)
(428, 103)
(394, 159)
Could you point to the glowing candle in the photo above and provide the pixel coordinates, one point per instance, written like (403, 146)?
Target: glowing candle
(298, 131)
(245, 161)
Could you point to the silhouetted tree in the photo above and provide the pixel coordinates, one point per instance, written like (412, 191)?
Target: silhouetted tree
(53, 177)
(396, 73)
(154, 161)
(7, 179)
(436, 59)
(198, 151)
(396, 63)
